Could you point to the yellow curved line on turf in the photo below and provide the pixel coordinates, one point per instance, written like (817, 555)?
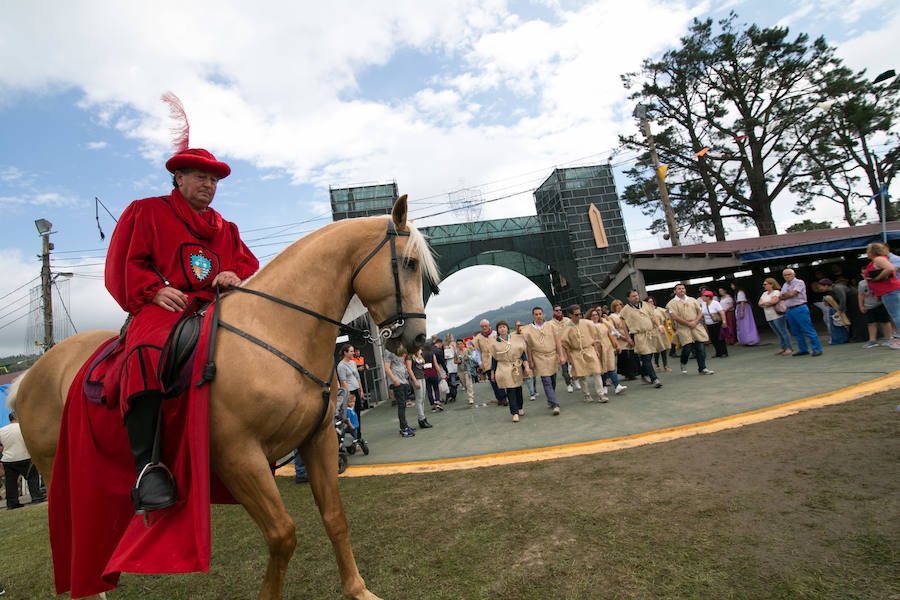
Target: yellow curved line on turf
(853, 392)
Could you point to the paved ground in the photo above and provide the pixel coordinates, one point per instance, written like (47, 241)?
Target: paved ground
(750, 379)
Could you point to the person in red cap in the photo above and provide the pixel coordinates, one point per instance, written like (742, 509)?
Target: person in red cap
(165, 252)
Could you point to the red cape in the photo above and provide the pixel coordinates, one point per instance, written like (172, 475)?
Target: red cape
(94, 533)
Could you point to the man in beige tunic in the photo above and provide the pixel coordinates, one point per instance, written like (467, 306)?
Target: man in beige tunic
(482, 342)
(580, 345)
(644, 327)
(690, 331)
(559, 321)
(545, 354)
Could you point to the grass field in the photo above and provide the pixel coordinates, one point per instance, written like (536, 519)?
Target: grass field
(802, 507)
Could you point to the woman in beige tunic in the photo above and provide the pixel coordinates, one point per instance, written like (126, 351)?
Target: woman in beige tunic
(510, 366)
(544, 354)
(607, 347)
(642, 327)
(626, 361)
(580, 344)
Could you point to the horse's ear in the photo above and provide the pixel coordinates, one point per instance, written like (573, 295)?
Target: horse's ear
(398, 214)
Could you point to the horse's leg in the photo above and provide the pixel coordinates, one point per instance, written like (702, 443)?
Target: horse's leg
(246, 474)
(320, 459)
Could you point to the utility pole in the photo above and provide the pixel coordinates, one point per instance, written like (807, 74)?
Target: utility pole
(43, 227)
(640, 112)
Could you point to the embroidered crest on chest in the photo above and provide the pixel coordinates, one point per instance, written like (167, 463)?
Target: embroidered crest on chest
(200, 264)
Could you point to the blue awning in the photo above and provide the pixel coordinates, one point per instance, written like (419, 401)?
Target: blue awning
(816, 248)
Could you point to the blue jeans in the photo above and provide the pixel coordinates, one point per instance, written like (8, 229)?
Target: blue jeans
(613, 378)
(801, 326)
(779, 326)
(699, 349)
(549, 383)
(891, 302)
(646, 368)
(529, 383)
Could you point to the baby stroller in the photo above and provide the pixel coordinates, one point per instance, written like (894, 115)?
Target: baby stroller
(347, 442)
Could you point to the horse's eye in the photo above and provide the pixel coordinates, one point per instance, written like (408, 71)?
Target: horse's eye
(411, 263)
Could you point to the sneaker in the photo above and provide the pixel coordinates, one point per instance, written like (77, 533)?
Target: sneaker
(657, 384)
(406, 432)
(895, 345)
(439, 406)
(588, 398)
(683, 370)
(433, 409)
(707, 372)
(515, 418)
(621, 388)
(645, 379)
(569, 388)
(555, 410)
(577, 385)
(533, 397)
(819, 352)
(604, 399)
(868, 345)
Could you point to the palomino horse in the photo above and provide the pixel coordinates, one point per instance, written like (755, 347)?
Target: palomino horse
(259, 398)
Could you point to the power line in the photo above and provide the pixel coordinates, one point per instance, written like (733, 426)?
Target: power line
(19, 288)
(65, 308)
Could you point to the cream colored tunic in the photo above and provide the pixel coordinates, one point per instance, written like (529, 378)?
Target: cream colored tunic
(617, 323)
(483, 345)
(542, 346)
(578, 340)
(508, 354)
(662, 315)
(607, 352)
(689, 309)
(641, 327)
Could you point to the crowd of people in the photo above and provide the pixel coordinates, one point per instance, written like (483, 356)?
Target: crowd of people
(598, 348)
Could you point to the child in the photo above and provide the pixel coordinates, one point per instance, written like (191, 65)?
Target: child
(352, 417)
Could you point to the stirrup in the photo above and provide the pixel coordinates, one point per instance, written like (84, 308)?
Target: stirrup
(139, 507)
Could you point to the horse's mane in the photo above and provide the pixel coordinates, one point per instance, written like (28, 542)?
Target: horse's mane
(419, 244)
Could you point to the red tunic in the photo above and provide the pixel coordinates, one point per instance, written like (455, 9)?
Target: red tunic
(159, 242)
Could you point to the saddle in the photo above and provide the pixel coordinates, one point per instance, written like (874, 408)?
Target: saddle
(101, 385)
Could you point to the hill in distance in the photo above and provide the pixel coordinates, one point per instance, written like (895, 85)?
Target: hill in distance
(520, 311)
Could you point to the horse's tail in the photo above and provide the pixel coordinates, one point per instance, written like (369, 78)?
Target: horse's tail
(11, 392)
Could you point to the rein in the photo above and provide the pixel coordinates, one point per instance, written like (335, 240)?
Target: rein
(388, 328)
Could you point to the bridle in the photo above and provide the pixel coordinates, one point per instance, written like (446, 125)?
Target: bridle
(389, 328)
(392, 327)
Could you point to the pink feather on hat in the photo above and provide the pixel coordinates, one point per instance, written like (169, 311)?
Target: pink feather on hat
(182, 131)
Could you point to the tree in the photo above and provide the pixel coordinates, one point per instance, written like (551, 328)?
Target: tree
(748, 96)
(855, 143)
(808, 225)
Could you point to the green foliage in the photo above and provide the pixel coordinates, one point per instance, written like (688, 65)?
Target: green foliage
(753, 96)
(808, 225)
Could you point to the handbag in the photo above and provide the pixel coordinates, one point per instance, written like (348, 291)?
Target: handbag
(780, 307)
(445, 387)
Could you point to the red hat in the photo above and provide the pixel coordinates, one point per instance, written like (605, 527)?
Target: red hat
(708, 293)
(200, 159)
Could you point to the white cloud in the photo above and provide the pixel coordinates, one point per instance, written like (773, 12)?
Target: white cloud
(875, 50)
(96, 145)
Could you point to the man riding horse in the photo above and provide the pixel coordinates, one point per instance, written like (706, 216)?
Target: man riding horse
(165, 253)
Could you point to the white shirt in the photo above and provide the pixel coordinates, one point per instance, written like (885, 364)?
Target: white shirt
(771, 313)
(14, 448)
(710, 309)
(449, 355)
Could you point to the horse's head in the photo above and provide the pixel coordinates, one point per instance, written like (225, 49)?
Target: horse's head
(388, 280)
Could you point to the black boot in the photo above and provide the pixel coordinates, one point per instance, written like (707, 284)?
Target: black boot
(155, 487)
(424, 424)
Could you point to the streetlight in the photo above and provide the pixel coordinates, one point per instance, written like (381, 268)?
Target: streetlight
(44, 226)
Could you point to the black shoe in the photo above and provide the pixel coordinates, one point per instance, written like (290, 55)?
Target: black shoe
(154, 490)
(817, 353)
(657, 384)
(801, 354)
(424, 424)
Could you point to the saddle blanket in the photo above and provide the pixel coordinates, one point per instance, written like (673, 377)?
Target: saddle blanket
(94, 533)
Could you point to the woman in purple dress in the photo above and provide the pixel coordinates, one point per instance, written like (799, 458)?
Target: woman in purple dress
(729, 323)
(747, 334)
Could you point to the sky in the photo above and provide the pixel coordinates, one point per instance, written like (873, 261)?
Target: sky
(439, 96)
